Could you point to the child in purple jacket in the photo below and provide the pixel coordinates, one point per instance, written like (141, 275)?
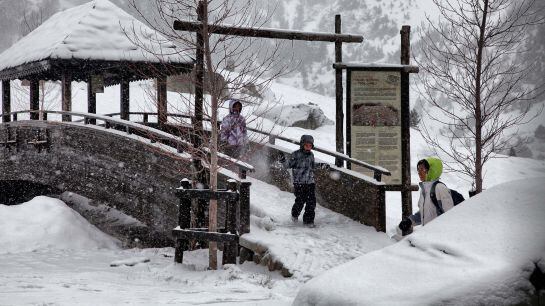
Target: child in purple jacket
(233, 134)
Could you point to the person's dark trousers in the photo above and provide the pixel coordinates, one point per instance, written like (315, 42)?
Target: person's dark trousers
(304, 196)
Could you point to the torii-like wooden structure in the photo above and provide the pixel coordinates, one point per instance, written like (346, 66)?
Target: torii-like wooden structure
(337, 38)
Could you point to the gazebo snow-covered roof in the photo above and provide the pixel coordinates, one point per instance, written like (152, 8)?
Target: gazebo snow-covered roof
(98, 43)
(97, 31)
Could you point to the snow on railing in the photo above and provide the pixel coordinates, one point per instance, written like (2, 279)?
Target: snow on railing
(378, 171)
(152, 133)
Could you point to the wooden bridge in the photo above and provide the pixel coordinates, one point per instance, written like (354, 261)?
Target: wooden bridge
(133, 168)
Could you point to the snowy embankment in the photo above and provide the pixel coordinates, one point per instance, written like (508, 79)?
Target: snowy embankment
(481, 252)
(44, 223)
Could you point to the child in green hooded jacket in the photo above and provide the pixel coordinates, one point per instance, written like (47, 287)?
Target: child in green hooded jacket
(429, 171)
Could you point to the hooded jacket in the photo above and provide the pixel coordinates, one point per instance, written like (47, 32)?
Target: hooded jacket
(426, 209)
(302, 163)
(233, 127)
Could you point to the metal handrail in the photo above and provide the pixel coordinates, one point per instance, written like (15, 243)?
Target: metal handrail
(377, 170)
(156, 134)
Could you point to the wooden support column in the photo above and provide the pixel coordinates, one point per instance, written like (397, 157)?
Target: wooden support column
(66, 95)
(125, 102)
(161, 100)
(339, 115)
(406, 199)
(34, 98)
(6, 100)
(200, 175)
(199, 79)
(91, 100)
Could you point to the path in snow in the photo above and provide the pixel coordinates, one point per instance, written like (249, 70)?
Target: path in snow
(306, 252)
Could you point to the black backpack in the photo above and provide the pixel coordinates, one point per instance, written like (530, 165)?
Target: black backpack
(457, 197)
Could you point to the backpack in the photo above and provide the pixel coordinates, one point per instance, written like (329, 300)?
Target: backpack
(457, 197)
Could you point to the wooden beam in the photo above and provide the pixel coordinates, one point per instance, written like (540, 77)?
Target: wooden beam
(124, 97)
(406, 199)
(202, 235)
(339, 115)
(161, 100)
(91, 100)
(191, 26)
(34, 98)
(6, 100)
(206, 194)
(66, 85)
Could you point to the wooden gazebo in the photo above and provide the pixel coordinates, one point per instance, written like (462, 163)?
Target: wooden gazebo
(97, 43)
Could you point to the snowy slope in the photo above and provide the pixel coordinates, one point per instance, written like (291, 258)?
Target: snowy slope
(46, 223)
(306, 252)
(481, 252)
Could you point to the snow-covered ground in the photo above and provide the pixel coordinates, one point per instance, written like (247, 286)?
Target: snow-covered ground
(78, 270)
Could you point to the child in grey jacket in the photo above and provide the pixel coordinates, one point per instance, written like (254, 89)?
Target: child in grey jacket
(304, 187)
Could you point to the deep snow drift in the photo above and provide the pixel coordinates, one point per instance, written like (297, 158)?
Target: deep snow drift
(46, 223)
(483, 251)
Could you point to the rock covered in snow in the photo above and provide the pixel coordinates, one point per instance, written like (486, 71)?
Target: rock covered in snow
(307, 116)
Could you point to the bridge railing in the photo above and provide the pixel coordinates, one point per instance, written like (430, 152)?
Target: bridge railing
(377, 170)
(129, 127)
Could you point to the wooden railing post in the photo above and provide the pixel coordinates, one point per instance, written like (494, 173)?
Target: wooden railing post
(184, 220)
(244, 191)
(6, 100)
(230, 248)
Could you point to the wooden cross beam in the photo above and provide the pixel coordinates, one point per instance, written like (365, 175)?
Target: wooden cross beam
(191, 26)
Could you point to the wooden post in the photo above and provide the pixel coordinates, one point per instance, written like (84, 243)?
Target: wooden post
(66, 85)
(199, 78)
(34, 99)
(244, 191)
(125, 102)
(339, 116)
(91, 100)
(230, 248)
(381, 209)
(184, 221)
(199, 92)
(6, 100)
(161, 100)
(406, 199)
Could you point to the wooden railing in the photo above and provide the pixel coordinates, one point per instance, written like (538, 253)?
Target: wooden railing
(129, 127)
(377, 170)
(236, 199)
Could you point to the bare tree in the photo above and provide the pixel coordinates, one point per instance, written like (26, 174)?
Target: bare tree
(229, 69)
(473, 76)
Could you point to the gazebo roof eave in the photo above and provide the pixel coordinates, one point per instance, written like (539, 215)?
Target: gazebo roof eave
(53, 69)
